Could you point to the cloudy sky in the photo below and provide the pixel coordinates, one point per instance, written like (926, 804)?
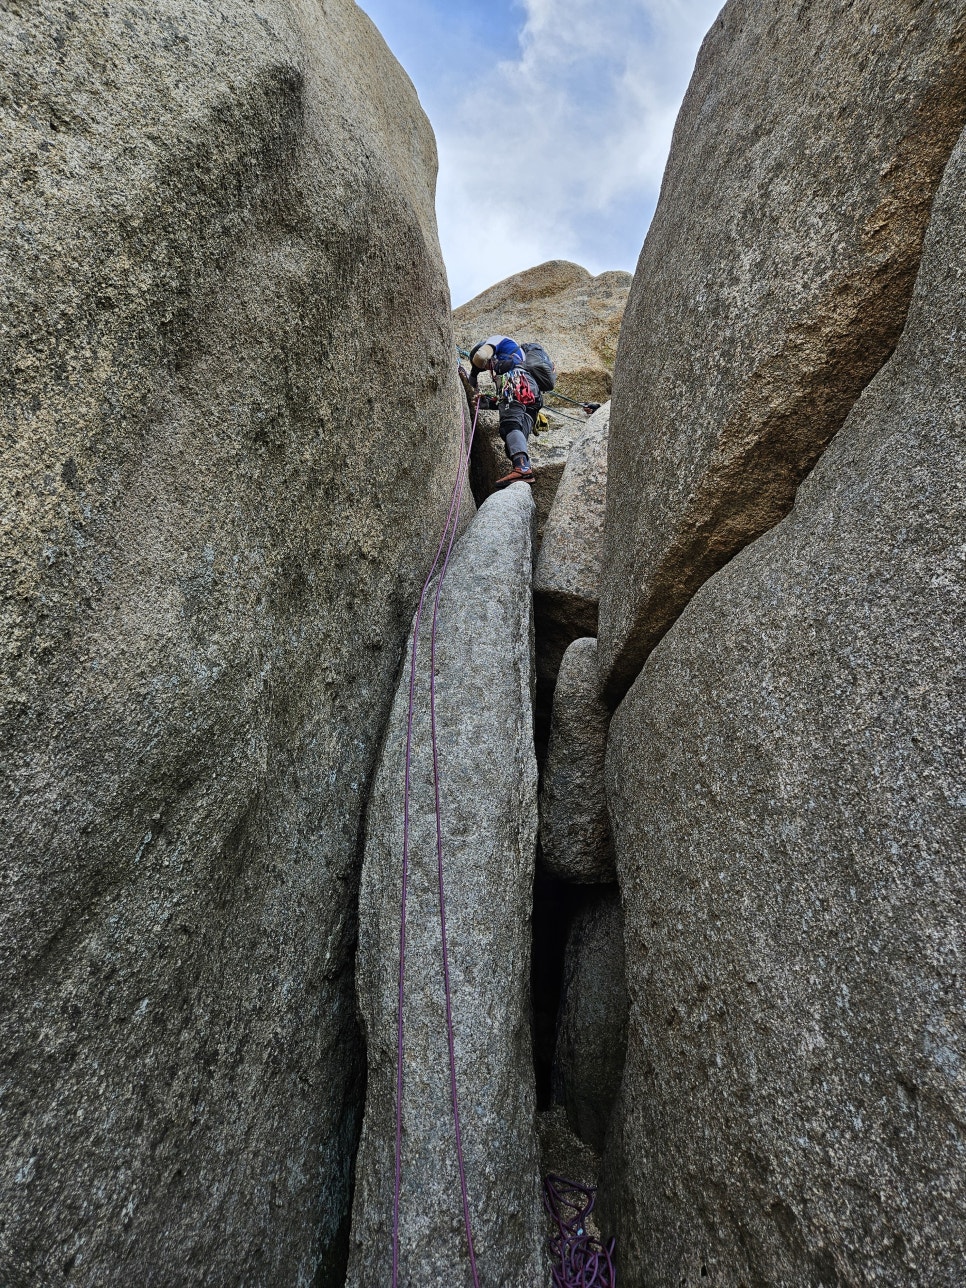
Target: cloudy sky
(553, 119)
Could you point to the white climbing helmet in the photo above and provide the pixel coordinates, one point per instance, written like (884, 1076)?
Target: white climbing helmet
(482, 356)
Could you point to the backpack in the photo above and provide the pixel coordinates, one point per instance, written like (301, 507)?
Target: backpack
(537, 362)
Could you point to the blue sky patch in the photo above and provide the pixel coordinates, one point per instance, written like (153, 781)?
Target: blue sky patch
(592, 93)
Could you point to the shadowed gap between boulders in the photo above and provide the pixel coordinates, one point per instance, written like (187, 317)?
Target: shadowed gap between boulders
(555, 903)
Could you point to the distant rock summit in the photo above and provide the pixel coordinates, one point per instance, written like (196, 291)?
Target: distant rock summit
(575, 316)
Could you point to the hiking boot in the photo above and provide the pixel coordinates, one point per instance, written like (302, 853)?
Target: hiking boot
(517, 475)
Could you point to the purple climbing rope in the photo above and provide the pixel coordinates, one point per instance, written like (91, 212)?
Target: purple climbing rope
(579, 1260)
(449, 532)
(442, 893)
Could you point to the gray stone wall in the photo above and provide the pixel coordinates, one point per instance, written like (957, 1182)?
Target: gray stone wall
(488, 821)
(773, 283)
(785, 781)
(220, 267)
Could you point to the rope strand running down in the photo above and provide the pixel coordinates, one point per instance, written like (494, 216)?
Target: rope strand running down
(442, 893)
(448, 534)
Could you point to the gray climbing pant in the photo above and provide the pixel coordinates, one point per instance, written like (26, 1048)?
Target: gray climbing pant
(516, 425)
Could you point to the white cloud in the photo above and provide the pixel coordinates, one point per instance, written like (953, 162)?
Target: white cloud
(558, 150)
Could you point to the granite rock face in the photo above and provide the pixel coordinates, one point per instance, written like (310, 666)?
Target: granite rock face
(575, 316)
(549, 451)
(773, 283)
(211, 541)
(566, 583)
(592, 1031)
(786, 789)
(488, 783)
(575, 834)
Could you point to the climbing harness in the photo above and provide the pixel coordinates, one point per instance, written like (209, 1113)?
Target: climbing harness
(578, 1259)
(447, 539)
(587, 407)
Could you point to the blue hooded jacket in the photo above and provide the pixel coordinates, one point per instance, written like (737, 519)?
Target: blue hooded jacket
(507, 354)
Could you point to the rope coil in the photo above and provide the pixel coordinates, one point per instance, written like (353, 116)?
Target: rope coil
(579, 1260)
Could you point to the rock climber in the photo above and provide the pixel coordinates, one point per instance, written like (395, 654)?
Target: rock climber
(518, 398)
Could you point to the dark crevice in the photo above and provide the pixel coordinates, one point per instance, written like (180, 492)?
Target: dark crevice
(554, 905)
